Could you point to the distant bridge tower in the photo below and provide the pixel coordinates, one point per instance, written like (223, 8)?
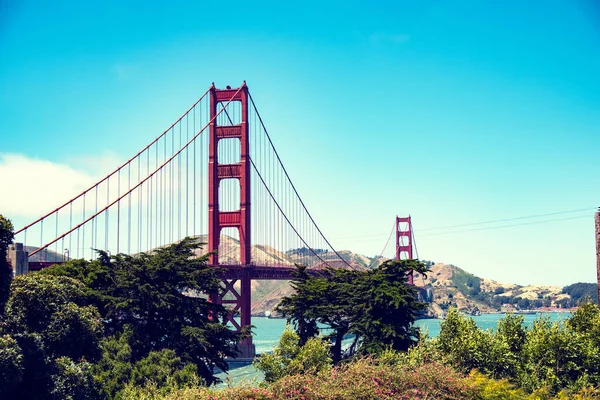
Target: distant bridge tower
(597, 224)
(240, 218)
(404, 242)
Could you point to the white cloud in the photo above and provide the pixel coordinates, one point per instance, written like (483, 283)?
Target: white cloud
(32, 187)
(97, 165)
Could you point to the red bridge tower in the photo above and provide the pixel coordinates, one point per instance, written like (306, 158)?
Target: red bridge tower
(404, 248)
(240, 218)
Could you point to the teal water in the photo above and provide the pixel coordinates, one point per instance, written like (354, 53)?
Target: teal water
(268, 331)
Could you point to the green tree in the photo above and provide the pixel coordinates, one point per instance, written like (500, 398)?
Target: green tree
(511, 331)
(579, 291)
(11, 367)
(546, 358)
(378, 306)
(56, 333)
(552, 357)
(468, 347)
(73, 381)
(164, 369)
(161, 298)
(290, 357)
(306, 325)
(113, 370)
(388, 307)
(6, 274)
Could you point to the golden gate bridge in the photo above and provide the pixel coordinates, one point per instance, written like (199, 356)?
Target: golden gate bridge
(215, 175)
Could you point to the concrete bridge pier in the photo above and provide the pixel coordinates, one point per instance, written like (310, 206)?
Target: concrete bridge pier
(17, 258)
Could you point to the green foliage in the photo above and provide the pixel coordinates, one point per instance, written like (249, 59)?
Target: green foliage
(466, 282)
(378, 307)
(290, 358)
(54, 308)
(11, 367)
(363, 378)
(161, 298)
(56, 333)
(548, 358)
(6, 274)
(511, 331)
(6, 232)
(371, 378)
(98, 329)
(468, 347)
(493, 389)
(388, 308)
(579, 291)
(73, 381)
(552, 357)
(164, 369)
(114, 369)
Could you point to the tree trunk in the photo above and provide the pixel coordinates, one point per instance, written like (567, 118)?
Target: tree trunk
(337, 346)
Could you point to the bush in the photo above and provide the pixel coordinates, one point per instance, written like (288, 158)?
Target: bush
(548, 358)
(493, 389)
(289, 358)
(11, 367)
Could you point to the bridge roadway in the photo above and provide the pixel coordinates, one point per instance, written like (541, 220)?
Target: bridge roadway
(256, 272)
(283, 272)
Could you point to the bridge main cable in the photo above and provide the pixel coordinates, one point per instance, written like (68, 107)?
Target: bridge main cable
(293, 188)
(134, 187)
(116, 170)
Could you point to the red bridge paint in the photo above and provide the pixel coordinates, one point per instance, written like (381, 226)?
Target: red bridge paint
(240, 218)
(404, 249)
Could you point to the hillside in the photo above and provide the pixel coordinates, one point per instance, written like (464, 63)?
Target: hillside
(449, 284)
(452, 286)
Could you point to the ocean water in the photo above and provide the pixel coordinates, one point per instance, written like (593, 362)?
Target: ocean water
(269, 330)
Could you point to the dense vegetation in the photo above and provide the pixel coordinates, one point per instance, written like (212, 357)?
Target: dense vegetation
(87, 330)
(548, 361)
(123, 327)
(377, 307)
(550, 356)
(6, 238)
(580, 291)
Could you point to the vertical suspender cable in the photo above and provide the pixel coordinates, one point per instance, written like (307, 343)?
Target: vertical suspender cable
(82, 233)
(156, 200)
(129, 209)
(94, 221)
(70, 227)
(106, 216)
(187, 175)
(118, 211)
(171, 179)
(194, 178)
(56, 244)
(149, 206)
(139, 196)
(41, 237)
(179, 188)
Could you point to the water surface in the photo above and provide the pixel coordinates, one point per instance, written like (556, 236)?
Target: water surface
(269, 330)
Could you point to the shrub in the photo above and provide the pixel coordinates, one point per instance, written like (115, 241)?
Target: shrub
(290, 358)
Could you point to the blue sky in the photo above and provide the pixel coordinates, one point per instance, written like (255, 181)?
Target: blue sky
(454, 112)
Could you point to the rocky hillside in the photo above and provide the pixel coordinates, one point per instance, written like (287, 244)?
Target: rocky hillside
(453, 286)
(448, 284)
